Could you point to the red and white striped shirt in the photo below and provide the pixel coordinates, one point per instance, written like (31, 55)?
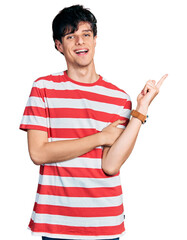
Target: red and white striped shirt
(75, 198)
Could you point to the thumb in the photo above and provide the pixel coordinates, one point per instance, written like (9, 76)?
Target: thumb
(117, 122)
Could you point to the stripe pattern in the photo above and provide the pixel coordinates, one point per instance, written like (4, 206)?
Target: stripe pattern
(75, 199)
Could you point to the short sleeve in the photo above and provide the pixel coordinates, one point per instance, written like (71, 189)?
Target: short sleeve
(123, 113)
(126, 112)
(34, 116)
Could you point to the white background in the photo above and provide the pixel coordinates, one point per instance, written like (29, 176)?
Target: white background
(137, 41)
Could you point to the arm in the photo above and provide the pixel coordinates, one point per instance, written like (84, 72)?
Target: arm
(41, 151)
(117, 154)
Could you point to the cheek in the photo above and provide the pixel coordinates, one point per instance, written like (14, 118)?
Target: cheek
(68, 52)
(93, 48)
(66, 47)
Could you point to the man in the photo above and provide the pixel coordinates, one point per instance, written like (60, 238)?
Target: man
(75, 122)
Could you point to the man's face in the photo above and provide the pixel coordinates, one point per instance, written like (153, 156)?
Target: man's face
(78, 47)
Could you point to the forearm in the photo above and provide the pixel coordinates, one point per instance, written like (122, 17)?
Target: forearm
(122, 147)
(58, 151)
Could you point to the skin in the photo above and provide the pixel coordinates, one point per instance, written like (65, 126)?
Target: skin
(80, 67)
(110, 163)
(118, 143)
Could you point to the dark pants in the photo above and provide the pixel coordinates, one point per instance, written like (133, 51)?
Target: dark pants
(46, 238)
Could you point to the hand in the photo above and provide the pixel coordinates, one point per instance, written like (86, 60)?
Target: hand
(148, 93)
(112, 132)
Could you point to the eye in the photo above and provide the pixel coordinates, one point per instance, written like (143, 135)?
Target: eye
(70, 37)
(87, 35)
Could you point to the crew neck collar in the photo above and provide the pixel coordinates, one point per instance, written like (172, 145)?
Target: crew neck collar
(80, 83)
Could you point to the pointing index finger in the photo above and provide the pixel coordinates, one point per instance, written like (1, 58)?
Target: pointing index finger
(161, 81)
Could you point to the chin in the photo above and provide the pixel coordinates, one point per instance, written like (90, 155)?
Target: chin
(84, 64)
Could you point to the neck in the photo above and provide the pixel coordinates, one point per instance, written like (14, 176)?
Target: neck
(83, 74)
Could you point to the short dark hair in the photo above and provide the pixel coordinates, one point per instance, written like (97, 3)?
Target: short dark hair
(67, 20)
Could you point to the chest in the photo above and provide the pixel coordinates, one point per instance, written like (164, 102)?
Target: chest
(77, 109)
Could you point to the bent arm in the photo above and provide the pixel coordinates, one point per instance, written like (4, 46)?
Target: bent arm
(114, 157)
(117, 154)
(41, 151)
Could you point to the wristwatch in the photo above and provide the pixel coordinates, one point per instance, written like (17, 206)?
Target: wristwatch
(138, 115)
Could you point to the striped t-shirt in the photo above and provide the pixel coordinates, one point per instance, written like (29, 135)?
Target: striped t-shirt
(75, 199)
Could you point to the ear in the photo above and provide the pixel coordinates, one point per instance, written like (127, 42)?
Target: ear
(59, 46)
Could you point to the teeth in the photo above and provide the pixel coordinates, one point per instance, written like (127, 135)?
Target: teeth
(81, 51)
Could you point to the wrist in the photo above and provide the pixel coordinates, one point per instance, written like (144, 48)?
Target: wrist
(138, 115)
(142, 109)
(101, 138)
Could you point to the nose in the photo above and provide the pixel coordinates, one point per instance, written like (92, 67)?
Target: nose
(79, 40)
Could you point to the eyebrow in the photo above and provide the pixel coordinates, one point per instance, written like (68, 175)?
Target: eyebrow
(86, 30)
(89, 30)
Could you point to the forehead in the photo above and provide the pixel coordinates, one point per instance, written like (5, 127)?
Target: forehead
(81, 27)
(84, 26)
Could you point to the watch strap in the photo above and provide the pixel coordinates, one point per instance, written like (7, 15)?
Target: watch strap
(138, 115)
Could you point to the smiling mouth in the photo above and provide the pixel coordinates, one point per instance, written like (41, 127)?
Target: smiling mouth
(81, 51)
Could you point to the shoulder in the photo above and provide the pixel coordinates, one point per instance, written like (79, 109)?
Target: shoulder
(113, 87)
(55, 77)
(51, 81)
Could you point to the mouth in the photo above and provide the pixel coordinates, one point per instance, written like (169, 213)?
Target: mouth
(81, 52)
